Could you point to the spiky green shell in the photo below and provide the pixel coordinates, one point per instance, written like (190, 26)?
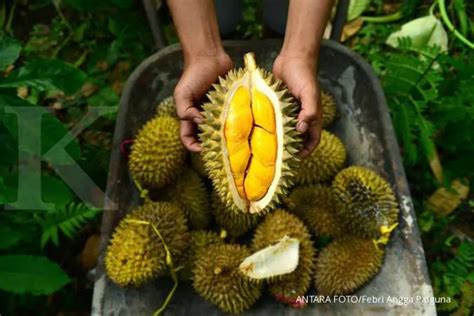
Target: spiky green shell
(329, 109)
(157, 154)
(190, 193)
(198, 164)
(346, 264)
(235, 223)
(200, 239)
(315, 205)
(274, 227)
(216, 277)
(212, 140)
(324, 162)
(365, 201)
(135, 254)
(167, 107)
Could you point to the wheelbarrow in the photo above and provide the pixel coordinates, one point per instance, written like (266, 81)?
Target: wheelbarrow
(402, 287)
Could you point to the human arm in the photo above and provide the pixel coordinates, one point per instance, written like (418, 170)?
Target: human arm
(297, 64)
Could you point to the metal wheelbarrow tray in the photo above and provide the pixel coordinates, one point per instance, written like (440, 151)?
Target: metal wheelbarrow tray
(365, 128)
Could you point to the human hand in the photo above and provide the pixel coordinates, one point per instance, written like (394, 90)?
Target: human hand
(200, 72)
(299, 74)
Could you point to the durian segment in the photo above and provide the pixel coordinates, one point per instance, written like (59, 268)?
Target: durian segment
(216, 277)
(216, 153)
(136, 254)
(278, 259)
(329, 108)
(234, 222)
(200, 239)
(157, 155)
(365, 201)
(326, 160)
(347, 264)
(167, 107)
(190, 193)
(315, 206)
(275, 226)
(263, 112)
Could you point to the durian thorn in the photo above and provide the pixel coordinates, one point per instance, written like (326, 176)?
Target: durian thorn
(217, 270)
(223, 234)
(249, 61)
(143, 191)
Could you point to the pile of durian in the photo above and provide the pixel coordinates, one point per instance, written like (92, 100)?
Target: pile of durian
(246, 216)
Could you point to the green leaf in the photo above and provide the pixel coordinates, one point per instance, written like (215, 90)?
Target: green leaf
(35, 275)
(9, 51)
(55, 191)
(46, 74)
(356, 8)
(423, 32)
(9, 237)
(124, 4)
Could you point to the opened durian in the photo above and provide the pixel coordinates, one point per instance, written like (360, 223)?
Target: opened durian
(200, 239)
(216, 277)
(364, 201)
(324, 162)
(329, 109)
(167, 107)
(276, 226)
(249, 139)
(136, 253)
(190, 193)
(157, 154)
(347, 264)
(234, 222)
(315, 206)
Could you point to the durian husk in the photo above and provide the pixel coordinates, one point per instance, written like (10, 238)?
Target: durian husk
(346, 264)
(234, 222)
(329, 108)
(190, 193)
(217, 278)
(200, 239)
(167, 107)
(326, 160)
(198, 164)
(314, 205)
(275, 226)
(136, 254)
(365, 202)
(157, 155)
(213, 142)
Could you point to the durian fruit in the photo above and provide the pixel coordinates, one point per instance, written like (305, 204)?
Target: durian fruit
(365, 202)
(167, 107)
(249, 139)
(136, 254)
(276, 226)
(346, 264)
(200, 239)
(198, 164)
(234, 222)
(216, 277)
(190, 193)
(315, 205)
(157, 154)
(324, 162)
(329, 108)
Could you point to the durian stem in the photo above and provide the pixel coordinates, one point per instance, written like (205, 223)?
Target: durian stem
(249, 61)
(143, 191)
(169, 263)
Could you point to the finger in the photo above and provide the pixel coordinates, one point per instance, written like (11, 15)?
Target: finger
(313, 136)
(309, 110)
(185, 106)
(187, 133)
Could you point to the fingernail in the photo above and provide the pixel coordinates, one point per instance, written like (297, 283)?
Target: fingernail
(302, 126)
(197, 120)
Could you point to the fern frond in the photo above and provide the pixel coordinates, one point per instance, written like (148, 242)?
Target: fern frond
(67, 220)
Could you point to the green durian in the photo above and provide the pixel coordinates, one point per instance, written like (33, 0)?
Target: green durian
(274, 227)
(190, 193)
(329, 108)
(324, 162)
(157, 155)
(314, 205)
(135, 254)
(216, 277)
(200, 239)
(346, 264)
(365, 202)
(198, 164)
(243, 182)
(234, 222)
(167, 107)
